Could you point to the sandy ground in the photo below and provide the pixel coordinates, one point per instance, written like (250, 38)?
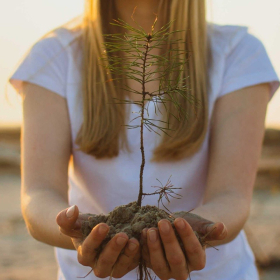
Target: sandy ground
(22, 257)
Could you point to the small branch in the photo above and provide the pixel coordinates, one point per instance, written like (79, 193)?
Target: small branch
(162, 92)
(155, 94)
(165, 191)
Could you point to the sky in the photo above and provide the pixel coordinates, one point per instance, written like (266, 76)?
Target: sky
(23, 22)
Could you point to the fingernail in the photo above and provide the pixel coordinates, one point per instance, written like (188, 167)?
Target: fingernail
(132, 246)
(164, 226)
(152, 235)
(70, 211)
(144, 231)
(102, 229)
(121, 240)
(180, 223)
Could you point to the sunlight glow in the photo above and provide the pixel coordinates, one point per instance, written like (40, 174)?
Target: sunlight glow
(22, 25)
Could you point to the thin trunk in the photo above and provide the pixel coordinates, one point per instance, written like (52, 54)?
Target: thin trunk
(139, 201)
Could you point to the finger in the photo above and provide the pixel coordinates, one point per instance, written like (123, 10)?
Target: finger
(85, 216)
(136, 258)
(87, 250)
(72, 233)
(127, 260)
(110, 254)
(173, 251)
(145, 250)
(66, 219)
(81, 217)
(194, 251)
(157, 259)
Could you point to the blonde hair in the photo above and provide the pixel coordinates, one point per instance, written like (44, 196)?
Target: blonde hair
(103, 133)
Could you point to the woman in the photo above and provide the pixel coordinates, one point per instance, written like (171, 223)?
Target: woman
(213, 157)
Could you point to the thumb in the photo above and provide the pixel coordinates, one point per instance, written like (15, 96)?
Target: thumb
(215, 231)
(66, 219)
(206, 228)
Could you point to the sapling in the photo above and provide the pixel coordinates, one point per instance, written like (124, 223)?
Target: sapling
(138, 46)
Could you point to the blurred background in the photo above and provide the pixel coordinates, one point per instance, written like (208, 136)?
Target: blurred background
(22, 23)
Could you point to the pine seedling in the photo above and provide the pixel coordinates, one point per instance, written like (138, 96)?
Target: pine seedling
(138, 45)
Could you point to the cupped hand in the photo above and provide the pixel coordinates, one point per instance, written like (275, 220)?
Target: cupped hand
(168, 260)
(211, 231)
(119, 256)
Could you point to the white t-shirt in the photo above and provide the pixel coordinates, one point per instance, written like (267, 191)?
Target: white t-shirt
(98, 186)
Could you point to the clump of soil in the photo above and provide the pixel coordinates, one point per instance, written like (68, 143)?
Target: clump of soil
(130, 219)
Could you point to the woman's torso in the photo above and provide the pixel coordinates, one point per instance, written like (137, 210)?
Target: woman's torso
(97, 186)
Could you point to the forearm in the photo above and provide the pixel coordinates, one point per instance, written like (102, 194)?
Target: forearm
(230, 208)
(39, 210)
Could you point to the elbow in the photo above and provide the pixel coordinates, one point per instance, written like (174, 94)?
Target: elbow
(28, 224)
(27, 217)
(31, 232)
(242, 213)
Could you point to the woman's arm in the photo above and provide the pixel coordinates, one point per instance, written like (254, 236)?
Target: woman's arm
(236, 138)
(45, 153)
(46, 150)
(237, 132)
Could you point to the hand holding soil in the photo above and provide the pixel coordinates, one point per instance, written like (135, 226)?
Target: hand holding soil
(211, 231)
(87, 247)
(172, 248)
(169, 261)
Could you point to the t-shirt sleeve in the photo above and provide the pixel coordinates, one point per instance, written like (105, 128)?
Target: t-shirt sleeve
(45, 65)
(248, 64)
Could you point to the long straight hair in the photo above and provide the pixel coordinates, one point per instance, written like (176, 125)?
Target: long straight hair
(102, 133)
